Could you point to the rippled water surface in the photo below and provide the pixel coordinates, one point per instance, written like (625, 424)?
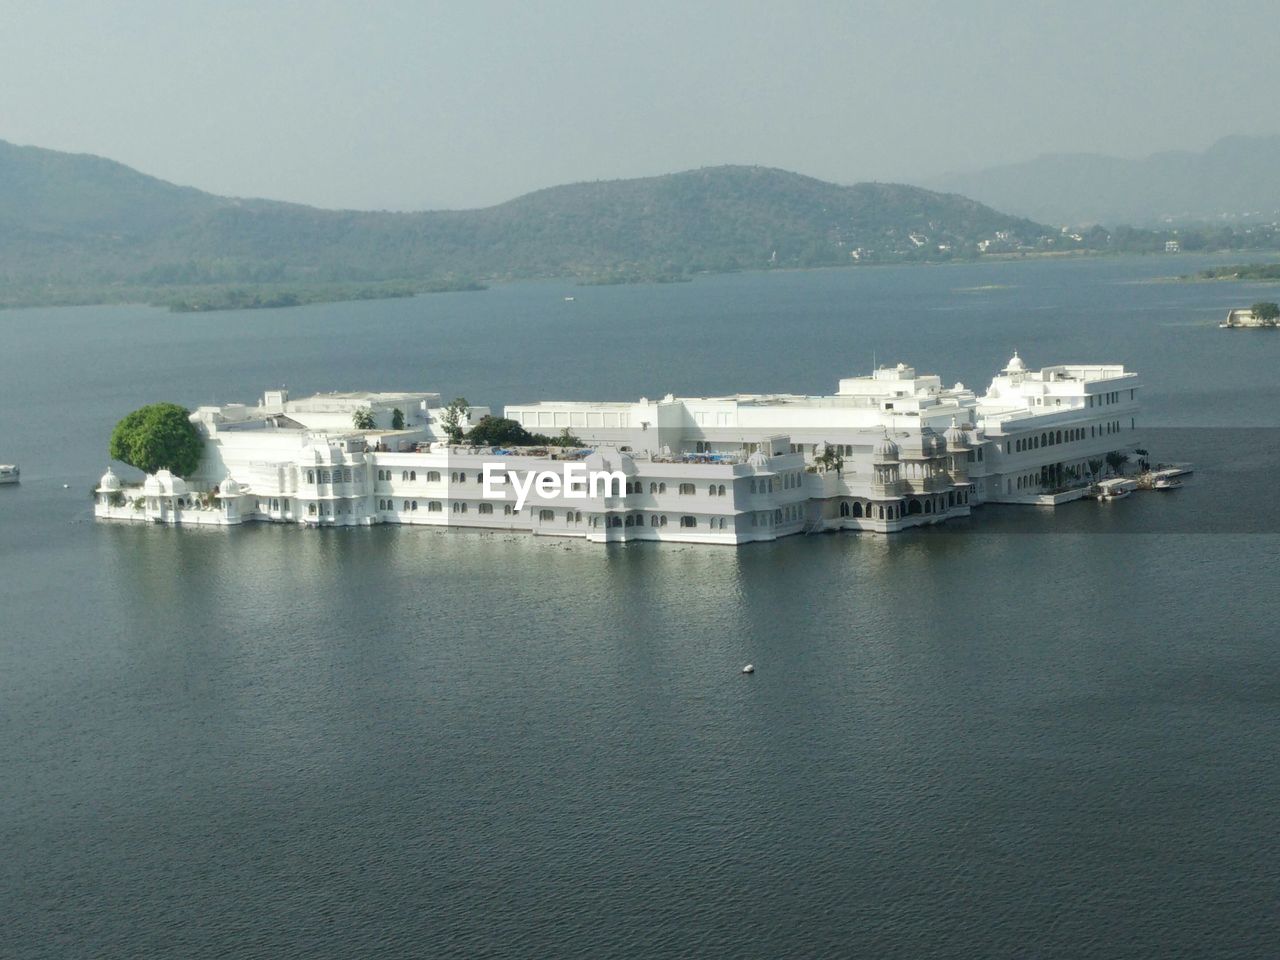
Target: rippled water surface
(1031, 734)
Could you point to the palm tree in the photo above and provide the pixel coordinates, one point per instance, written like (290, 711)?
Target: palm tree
(1116, 460)
(1095, 467)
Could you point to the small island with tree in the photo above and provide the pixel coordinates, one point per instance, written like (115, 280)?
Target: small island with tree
(1265, 313)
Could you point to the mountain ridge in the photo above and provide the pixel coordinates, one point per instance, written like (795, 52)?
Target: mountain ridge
(1234, 176)
(78, 219)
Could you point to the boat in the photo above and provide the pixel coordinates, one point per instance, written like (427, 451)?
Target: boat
(749, 668)
(9, 473)
(1117, 488)
(1166, 483)
(568, 299)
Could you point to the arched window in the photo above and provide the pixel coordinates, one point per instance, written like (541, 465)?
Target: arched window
(653, 488)
(653, 520)
(721, 490)
(413, 504)
(546, 515)
(406, 505)
(711, 490)
(433, 476)
(506, 509)
(615, 521)
(844, 508)
(664, 521)
(311, 509)
(413, 475)
(857, 509)
(485, 508)
(662, 487)
(434, 507)
(631, 521)
(311, 476)
(687, 521)
(686, 489)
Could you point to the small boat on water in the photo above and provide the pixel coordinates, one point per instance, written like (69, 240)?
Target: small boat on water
(1117, 488)
(9, 473)
(1166, 483)
(749, 668)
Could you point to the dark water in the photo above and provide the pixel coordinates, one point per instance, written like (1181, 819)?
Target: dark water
(961, 742)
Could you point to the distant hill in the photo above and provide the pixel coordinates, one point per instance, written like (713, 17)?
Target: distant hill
(74, 222)
(1237, 175)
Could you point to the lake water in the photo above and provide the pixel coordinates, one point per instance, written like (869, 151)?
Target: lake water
(959, 742)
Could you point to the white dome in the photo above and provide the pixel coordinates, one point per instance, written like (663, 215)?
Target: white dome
(109, 481)
(955, 436)
(1015, 364)
(885, 449)
(229, 488)
(162, 483)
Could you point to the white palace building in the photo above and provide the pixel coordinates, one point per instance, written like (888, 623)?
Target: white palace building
(885, 452)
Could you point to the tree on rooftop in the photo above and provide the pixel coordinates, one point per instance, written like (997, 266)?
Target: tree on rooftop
(397, 419)
(159, 436)
(491, 431)
(362, 419)
(452, 417)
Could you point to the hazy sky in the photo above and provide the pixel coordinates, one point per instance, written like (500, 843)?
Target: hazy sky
(418, 104)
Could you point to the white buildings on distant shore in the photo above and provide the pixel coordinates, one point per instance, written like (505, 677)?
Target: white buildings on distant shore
(885, 452)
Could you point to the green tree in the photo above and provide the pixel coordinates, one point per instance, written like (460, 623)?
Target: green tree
(159, 436)
(491, 431)
(565, 439)
(1116, 459)
(362, 419)
(452, 417)
(1266, 311)
(830, 458)
(1095, 467)
(397, 419)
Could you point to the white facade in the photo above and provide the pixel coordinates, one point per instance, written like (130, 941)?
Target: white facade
(885, 452)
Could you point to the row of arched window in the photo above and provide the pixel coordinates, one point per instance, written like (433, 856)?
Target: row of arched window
(337, 475)
(1048, 439)
(324, 509)
(655, 520)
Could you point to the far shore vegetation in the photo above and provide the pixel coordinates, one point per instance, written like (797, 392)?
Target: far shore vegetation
(204, 298)
(1246, 271)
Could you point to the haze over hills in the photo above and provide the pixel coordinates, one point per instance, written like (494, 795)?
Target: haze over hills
(1236, 176)
(73, 221)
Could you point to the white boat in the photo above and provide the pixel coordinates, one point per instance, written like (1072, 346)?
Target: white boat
(749, 668)
(1166, 483)
(8, 473)
(568, 299)
(1117, 488)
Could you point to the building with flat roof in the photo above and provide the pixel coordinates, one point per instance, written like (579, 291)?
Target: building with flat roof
(885, 452)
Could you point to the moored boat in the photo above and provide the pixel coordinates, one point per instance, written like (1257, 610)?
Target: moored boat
(9, 473)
